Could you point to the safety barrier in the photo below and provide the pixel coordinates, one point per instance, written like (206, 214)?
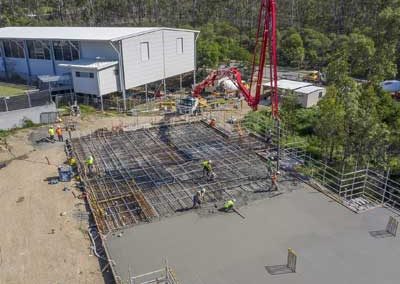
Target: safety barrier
(392, 225)
(27, 100)
(291, 260)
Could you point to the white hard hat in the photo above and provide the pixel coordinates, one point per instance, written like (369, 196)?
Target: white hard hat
(209, 161)
(234, 200)
(278, 172)
(203, 190)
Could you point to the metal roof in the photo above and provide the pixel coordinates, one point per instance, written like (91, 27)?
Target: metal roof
(290, 85)
(89, 64)
(309, 89)
(77, 33)
(53, 78)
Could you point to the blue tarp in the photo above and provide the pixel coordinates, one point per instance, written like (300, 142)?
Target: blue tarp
(391, 86)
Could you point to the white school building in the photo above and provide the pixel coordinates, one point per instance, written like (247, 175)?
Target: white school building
(97, 60)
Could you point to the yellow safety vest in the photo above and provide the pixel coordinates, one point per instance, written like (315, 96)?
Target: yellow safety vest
(90, 161)
(72, 162)
(51, 131)
(229, 204)
(207, 165)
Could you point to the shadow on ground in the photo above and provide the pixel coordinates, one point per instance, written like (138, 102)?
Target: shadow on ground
(278, 269)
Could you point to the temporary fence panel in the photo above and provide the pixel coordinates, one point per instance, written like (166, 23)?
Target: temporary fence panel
(3, 104)
(292, 260)
(48, 117)
(27, 100)
(361, 182)
(392, 226)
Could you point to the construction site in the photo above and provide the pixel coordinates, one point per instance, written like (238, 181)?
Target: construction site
(184, 188)
(154, 172)
(141, 196)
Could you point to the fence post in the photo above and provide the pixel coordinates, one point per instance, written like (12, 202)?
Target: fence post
(166, 270)
(384, 189)
(323, 177)
(5, 102)
(102, 105)
(365, 179)
(354, 179)
(29, 99)
(340, 182)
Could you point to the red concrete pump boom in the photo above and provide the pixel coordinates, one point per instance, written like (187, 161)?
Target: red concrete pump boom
(266, 26)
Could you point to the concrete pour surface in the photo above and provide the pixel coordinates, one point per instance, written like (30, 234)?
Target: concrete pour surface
(333, 244)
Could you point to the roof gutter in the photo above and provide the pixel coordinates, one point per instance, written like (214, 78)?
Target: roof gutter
(155, 30)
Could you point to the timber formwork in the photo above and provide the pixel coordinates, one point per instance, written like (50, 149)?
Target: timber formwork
(154, 172)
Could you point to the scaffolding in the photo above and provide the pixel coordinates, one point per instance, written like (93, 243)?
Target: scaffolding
(360, 188)
(165, 275)
(154, 172)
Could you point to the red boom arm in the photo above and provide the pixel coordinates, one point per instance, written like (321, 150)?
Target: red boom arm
(266, 24)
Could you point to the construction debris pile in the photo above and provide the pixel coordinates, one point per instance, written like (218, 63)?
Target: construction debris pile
(154, 172)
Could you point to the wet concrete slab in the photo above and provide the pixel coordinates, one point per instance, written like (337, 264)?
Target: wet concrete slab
(333, 244)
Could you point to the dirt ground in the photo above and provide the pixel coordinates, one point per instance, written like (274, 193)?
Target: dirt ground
(43, 238)
(37, 243)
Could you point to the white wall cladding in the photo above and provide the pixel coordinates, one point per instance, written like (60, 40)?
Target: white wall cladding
(93, 49)
(136, 71)
(165, 59)
(85, 85)
(108, 81)
(176, 63)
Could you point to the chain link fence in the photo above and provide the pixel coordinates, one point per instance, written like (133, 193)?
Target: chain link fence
(27, 100)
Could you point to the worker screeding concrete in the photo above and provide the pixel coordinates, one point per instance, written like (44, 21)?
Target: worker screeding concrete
(198, 198)
(228, 205)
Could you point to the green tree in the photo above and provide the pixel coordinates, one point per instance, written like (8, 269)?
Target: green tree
(329, 126)
(316, 46)
(292, 49)
(361, 51)
(208, 54)
(337, 72)
(288, 109)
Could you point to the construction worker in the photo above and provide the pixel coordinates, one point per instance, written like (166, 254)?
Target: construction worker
(207, 168)
(68, 148)
(72, 162)
(269, 166)
(229, 205)
(198, 198)
(213, 122)
(89, 163)
(51, 133)
(274, 181)
(59, 134)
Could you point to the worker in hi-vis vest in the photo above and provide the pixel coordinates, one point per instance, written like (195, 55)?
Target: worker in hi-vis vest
(89, 163)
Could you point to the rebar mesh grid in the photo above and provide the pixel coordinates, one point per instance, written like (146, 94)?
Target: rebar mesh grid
(154, 172)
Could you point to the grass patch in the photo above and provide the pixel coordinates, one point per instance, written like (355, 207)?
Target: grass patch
(85, 109)
(9, 90)
(27, 124)
(258, 121)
